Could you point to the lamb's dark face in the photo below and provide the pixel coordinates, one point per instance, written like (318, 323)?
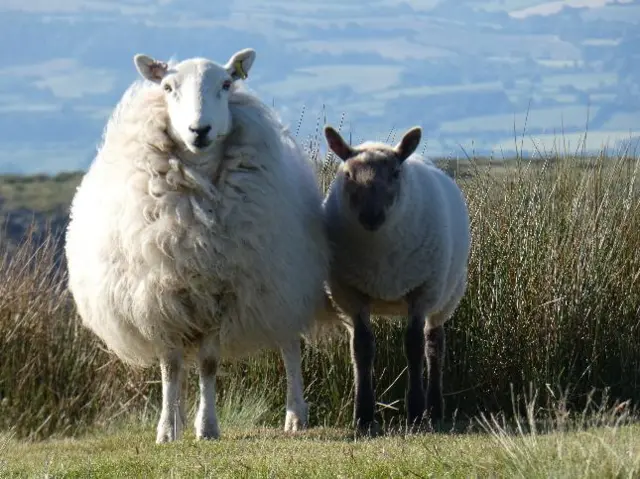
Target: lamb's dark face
(371, 175)
(371, 184)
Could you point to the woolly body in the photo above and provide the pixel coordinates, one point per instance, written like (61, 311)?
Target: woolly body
(159, 254)
(425, 241)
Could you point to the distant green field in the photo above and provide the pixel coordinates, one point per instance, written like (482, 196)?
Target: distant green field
(46, 194)
(39, 193)
(33, 202)
(40, 199)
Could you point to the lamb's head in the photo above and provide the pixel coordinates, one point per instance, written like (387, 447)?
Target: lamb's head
(197, 95)
(371, 175)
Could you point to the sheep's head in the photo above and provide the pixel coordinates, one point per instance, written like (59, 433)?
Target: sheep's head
(371, 174)
(197, 94)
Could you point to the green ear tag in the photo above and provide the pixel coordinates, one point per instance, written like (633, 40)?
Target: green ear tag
(238, 66)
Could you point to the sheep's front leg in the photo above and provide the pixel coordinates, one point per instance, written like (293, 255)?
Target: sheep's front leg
(434, 351)
(206, 424)
(363, 349)
(296, 418)
(184, 395)
(414, 347)
(171, 418)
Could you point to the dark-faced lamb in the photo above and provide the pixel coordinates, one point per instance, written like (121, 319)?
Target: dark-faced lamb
(400, 236)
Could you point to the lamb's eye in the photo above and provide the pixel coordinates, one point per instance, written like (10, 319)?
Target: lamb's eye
(395, 174)
(226, 85)
(167, 88)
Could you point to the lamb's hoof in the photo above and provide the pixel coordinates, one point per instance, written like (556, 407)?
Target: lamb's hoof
(436, 425)
(207, 430)
(368, 429)
(434, 416)
(296, 421)
(417, 426)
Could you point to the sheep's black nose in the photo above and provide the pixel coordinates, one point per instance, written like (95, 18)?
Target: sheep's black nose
(200, 131)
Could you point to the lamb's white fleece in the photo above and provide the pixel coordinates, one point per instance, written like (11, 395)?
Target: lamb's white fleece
(424, 241)
(163, 247)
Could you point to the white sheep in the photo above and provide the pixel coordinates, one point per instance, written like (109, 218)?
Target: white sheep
(197, 234)
(399, 228)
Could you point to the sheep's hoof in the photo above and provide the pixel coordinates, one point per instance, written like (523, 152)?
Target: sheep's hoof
(208, 435)
(368, 429)
(168, 432)
(207, 430)
(296, 421)
(163, 437)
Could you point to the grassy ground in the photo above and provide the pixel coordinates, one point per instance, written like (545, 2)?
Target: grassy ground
(598, 452)
(552, 300)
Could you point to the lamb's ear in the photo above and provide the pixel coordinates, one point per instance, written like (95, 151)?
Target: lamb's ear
(337, 143)
(409, 143)
(240, 63)
(150, 68)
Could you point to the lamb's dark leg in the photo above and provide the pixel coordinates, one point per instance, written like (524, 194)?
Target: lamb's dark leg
(434, 351)
(363, 350)
(414, 347)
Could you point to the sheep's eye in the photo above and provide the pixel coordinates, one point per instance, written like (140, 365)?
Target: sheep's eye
(395, 174)
(167, 88)
(226, 85)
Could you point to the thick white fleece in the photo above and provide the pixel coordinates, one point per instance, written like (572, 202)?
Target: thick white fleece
(163, 247)
(424, 241)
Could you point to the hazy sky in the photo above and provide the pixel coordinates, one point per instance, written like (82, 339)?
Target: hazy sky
(465, 71)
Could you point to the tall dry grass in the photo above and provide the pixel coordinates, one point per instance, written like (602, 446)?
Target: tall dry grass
(553, 303)
(55, 378)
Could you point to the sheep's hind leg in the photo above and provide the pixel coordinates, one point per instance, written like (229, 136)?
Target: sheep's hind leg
(206, 423)
(414, 347)
(170, 424)
(434, 352)
(296, 418)
(363, 349)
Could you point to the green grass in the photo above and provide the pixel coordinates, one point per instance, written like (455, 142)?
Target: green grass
(599, 442)
(597, 452)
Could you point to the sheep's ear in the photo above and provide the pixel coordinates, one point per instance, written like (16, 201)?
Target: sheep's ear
(409, 143)
(150, 68)
(240, 63)
(337, 143)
